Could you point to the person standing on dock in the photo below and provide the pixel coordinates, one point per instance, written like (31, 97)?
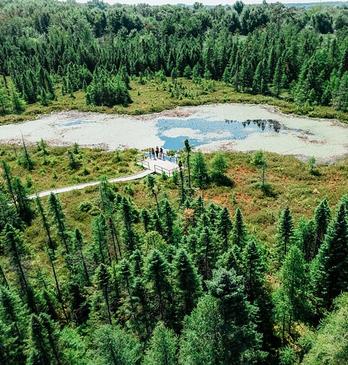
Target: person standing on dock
(161, 154)
(152, 153)
(157, 152)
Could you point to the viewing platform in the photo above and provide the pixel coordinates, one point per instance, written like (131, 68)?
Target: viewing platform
(166, 165)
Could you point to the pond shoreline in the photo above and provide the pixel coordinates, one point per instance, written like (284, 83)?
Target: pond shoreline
(301, 136)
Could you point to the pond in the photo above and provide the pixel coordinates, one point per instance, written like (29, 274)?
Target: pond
(236, 127)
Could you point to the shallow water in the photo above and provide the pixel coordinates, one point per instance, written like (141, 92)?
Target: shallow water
(200, 131)
(240, 127)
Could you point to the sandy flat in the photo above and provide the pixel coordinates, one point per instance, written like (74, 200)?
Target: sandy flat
(322, 138)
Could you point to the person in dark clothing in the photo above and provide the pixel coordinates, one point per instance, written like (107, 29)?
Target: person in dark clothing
(157, 151)
(152, 153)
(161, 153)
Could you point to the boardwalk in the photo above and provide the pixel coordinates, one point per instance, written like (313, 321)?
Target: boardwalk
(159, 166)
(81, 186)
(150, 166)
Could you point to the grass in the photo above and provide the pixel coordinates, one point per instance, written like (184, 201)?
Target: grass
(53, 170)
(155, 96)
(290, 179)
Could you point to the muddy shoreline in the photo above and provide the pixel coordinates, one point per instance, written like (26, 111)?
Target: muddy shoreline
(303, 137)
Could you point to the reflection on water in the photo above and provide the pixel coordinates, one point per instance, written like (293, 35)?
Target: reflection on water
(202, 130)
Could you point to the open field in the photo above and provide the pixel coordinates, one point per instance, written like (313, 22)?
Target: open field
(292, 185)
(154, 96)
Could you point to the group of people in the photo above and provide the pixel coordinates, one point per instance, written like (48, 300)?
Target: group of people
(157, 153)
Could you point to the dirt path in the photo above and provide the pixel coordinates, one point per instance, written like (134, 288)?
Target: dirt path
(81, 186)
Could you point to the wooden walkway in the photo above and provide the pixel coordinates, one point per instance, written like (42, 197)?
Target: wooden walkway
(81, 186)
(151, 166)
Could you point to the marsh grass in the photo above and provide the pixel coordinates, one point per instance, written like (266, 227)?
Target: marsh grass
(155, 96)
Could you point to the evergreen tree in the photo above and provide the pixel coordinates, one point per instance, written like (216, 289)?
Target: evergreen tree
(201, 341)
(162, 349)
(188, 162)
(322, 219)
(199, 170)
(23, 205)
(187, 285)
(285, 234)
(293, 299)
(239, 232)
(116, 347)
(218, 169)
(330, 276)
(18, 104)
(168, 219)
(16, 252)
(241, 341)
(43, 342)
(157, 275)
(26, 160)
(254, 273)
(103, 283)
(14, 317)
(59, 221)
(224, 227)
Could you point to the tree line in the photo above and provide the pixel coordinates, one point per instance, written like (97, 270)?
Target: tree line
(177, 282)
(294, 53)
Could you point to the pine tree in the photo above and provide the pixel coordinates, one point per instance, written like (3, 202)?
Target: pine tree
(199, 170)
(116, 347)
(206, 253)
(162, 349)
(331, 276)
(157, 275)
(24, 209)
(187, 285)
(103, 282)
(18, 104)
(146, 219)
(151, 184)
(26, 160)
(101, 251)
(218, 168)
(224, 227)
(43, 342)
(9, 182)
(322, 219)
(294, 290)
(285, 234)
(188, 162)
(14, 317)
(59, 221)
(16, 252)
(277, 78)
(305, 236)
(78, 247)
(201, 340)
(254, 273)
(239, 232)
(241, 341)
(168, 218)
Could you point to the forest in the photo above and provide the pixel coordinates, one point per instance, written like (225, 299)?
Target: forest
(160, 272)
(234, 259)
(50, 49)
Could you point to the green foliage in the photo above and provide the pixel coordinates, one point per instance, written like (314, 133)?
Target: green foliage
(200, 170)
(106, 89)
(115, 346)
(329, 344)
(162, 348)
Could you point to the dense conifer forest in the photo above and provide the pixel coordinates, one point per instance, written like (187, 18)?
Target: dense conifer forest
(235, 259)
(50, 48)
(156, 273)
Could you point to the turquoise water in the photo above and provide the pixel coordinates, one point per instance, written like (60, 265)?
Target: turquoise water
(174, 131)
